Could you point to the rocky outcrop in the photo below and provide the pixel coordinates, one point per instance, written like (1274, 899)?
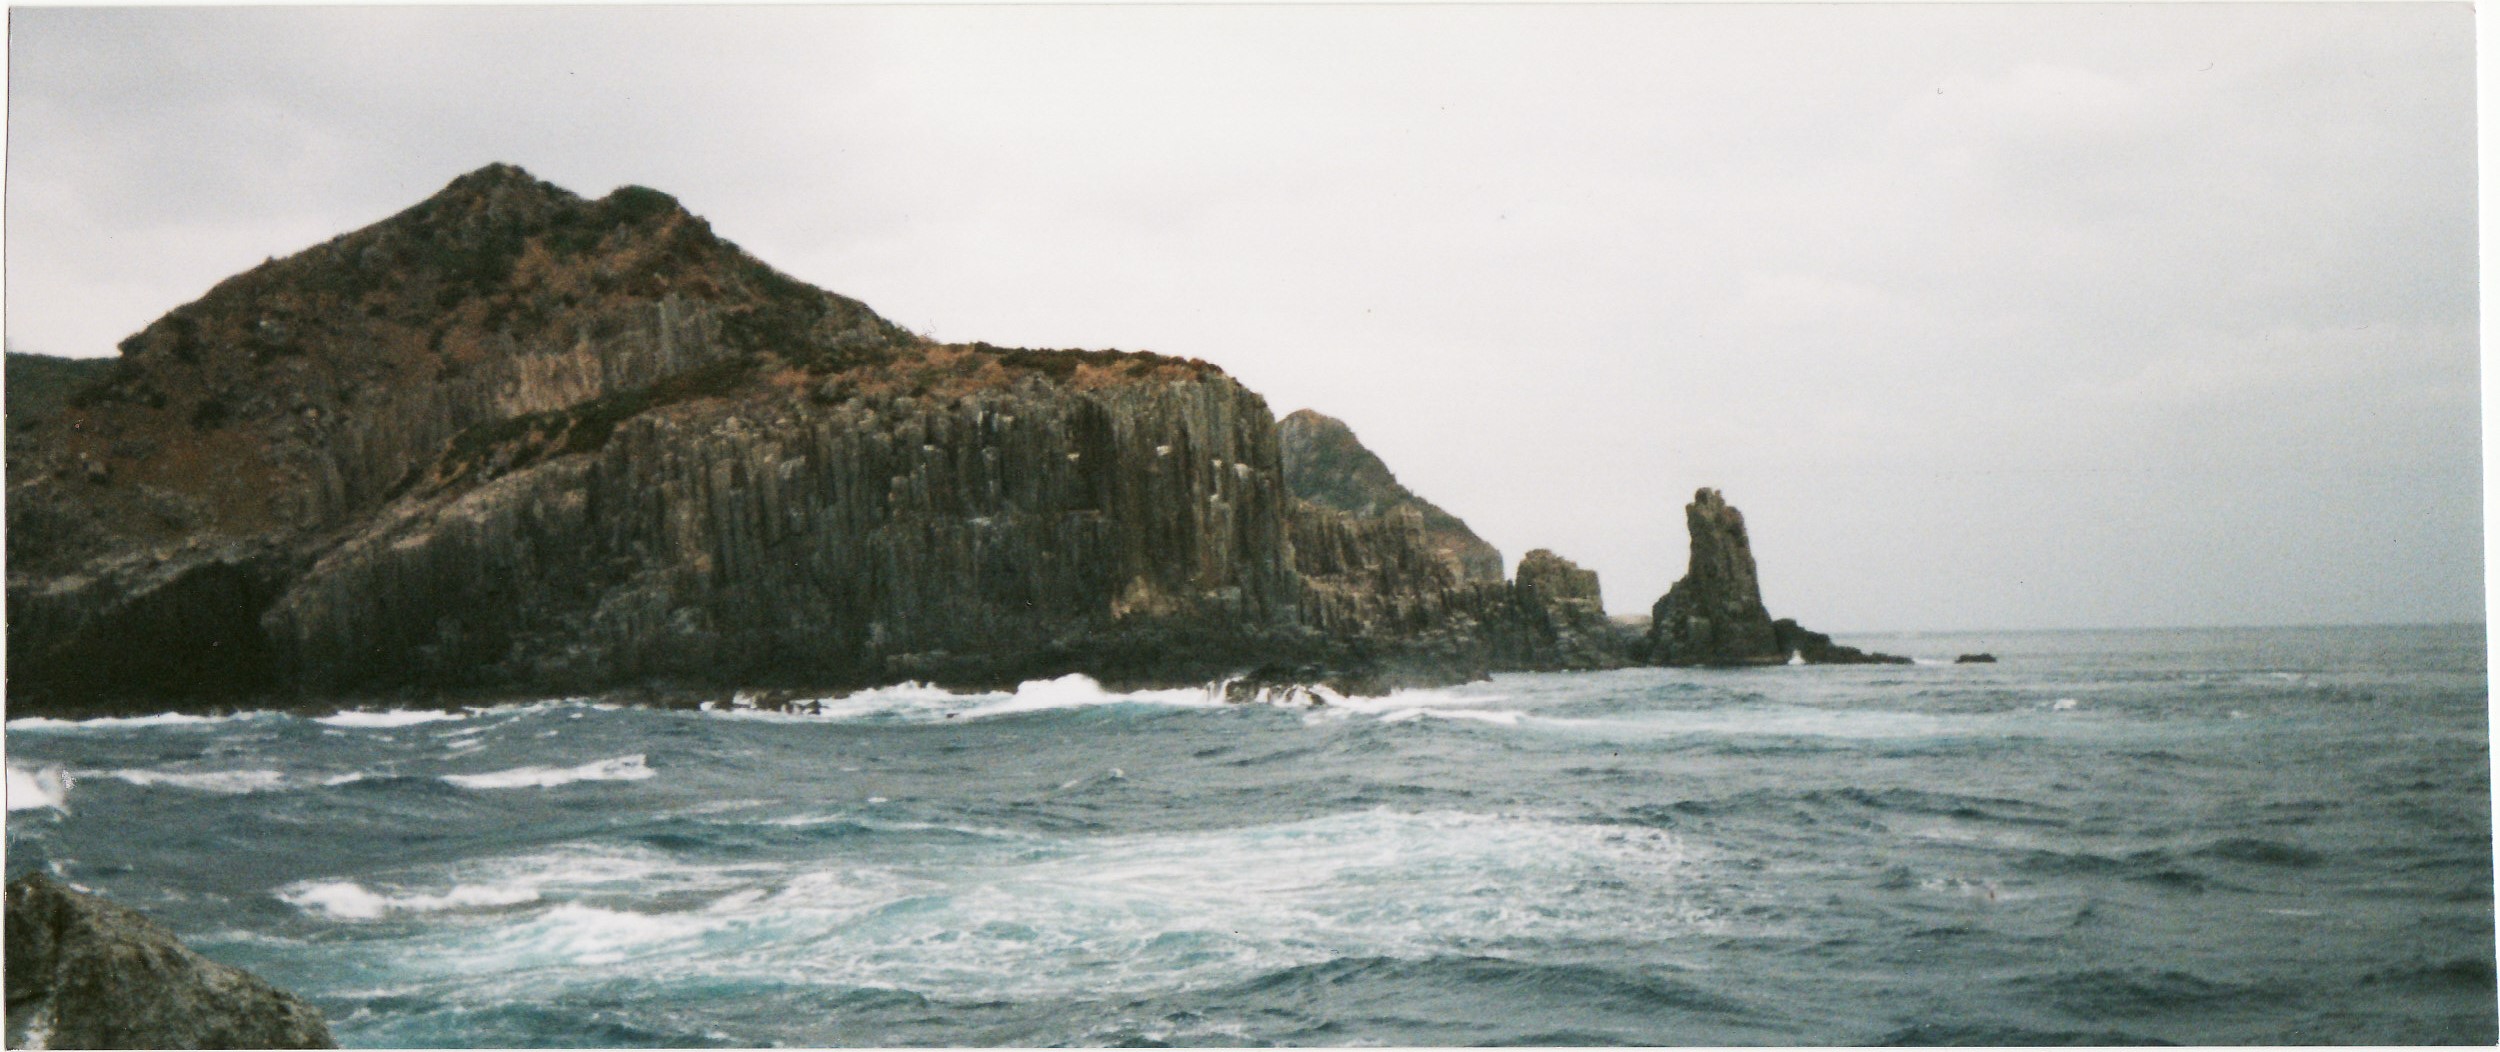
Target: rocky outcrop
(1982, 658)
(1714, 615)
(516, 441)
(1815, 648)
(85, 973)
(296, 400)
(1382, 598)
(1325, 465)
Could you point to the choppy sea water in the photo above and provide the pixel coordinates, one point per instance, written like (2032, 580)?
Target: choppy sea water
(2211, 837)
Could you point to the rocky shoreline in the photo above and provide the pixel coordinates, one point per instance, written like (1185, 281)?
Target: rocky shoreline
(515, 443)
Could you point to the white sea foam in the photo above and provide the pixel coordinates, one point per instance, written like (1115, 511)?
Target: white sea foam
(348, 900)
(1034, 917)
(222, 782)
(1403, 706)
(124, 723)
(502, 883)
(617, 769)
(35, 788)
(920, 703)
(389, 718)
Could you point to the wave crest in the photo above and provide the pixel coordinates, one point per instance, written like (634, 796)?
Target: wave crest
(616, 769)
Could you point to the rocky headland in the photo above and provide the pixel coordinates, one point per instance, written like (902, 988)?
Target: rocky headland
(85, 973)
(514, 441)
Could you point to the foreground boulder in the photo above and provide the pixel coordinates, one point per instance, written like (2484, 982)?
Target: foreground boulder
(85, 973)
(1714, 614)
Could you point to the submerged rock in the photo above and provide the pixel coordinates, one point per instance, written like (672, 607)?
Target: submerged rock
(85, 973)
(1714, 614)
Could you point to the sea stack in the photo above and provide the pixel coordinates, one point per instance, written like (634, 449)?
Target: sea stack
(1714, 615)
(85, 973)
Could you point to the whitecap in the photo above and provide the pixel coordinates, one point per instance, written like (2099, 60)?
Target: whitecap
(38, 788)
(388, 718)
(921, 703)
(221, 782)
(122, 723)
(617, 769)
(1402, 706)
(1081, 691)
(348, 900)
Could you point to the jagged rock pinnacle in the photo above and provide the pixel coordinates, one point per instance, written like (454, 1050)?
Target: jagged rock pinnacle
(1714, 615)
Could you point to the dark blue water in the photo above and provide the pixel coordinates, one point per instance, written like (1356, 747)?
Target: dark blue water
(2213, 837)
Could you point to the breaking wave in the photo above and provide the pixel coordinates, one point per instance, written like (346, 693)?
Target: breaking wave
(619, 769)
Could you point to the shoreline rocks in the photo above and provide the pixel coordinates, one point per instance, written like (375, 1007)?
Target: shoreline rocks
(85, 973)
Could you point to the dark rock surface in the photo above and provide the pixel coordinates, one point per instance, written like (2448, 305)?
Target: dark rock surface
(1714, 615)
(85, 973)
(513, 441)
(40, 385)
(1326, 465)
(1975, 659)
(1815, 648)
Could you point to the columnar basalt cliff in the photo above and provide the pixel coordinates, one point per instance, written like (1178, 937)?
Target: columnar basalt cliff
(513, 441)
(85, 973)
(1714, 615)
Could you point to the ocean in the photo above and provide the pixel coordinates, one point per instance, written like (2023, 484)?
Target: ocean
(2196, 836)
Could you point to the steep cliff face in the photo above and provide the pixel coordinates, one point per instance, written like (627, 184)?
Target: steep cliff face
(1326, 465)
(1128, 524)
(1713, 615)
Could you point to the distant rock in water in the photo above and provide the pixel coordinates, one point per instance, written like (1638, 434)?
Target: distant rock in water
(1976, 659)
(1324, 464)
(1714, 614)
(85, 973)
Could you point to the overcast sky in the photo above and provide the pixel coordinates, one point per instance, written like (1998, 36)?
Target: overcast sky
(1987, 317)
